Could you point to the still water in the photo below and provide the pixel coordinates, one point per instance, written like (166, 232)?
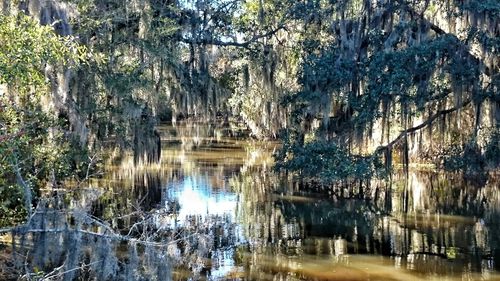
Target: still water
(235, 219)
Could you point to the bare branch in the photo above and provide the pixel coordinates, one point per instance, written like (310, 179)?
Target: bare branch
(421, 126)
(54, 274)
(218, 42)
(24, 185)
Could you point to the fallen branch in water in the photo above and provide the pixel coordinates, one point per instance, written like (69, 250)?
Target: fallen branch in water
(108, 232)
(114, 236)
(53, 274)
(80, 242)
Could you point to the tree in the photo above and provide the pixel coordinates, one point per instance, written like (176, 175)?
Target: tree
(32, 149)
(392, 81)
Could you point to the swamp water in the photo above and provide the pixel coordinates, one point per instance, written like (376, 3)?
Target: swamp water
(229, 217)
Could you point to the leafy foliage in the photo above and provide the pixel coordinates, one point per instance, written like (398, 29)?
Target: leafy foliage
(26, 49)
(11, 206)
(359, 77)
(473, 159)
(32, 150)
(327, 162)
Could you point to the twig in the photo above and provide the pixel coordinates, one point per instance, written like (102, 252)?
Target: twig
(48, 277)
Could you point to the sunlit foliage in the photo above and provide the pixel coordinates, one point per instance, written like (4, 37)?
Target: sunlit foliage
(32, 149)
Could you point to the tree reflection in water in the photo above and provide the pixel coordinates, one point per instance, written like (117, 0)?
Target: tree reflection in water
(449, 229)
(260, 225)
(227, 215)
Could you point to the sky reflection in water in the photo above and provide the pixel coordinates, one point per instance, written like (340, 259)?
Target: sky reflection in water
(196, 198)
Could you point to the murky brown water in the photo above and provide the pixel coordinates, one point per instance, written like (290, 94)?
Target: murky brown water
(216, 188)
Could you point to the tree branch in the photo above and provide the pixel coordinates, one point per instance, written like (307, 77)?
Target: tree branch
(24, 185)
(421, 126)
(218, 42)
